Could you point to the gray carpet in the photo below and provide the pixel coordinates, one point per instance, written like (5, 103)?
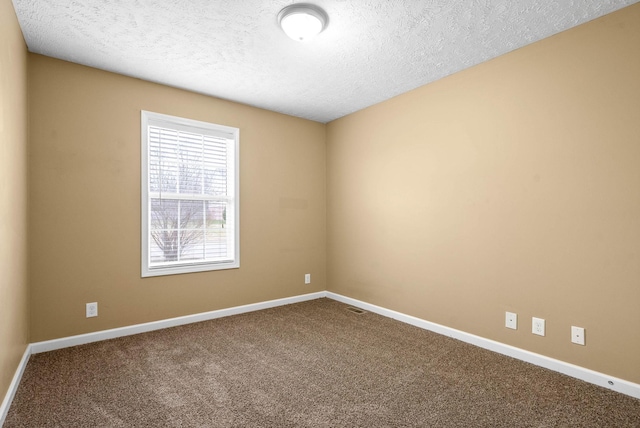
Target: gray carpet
(312, 364)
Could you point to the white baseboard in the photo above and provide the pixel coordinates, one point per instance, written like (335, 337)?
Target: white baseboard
(13, 386)
(619, 385)
(66, 342)
(81, 339)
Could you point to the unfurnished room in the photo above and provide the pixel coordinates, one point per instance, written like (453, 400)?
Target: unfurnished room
(335, 213)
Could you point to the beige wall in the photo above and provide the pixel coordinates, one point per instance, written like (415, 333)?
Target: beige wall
(511, 186)
(85, 203)
(14, 311)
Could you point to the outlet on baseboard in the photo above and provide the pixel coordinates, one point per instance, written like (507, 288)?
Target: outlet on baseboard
(92, 309)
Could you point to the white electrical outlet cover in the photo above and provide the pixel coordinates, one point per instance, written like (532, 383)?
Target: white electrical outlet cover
(577, 335)
(511, 320)
(92, 309)
(537, 326)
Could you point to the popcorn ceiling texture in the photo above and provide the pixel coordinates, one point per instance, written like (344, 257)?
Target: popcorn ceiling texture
(371, 51)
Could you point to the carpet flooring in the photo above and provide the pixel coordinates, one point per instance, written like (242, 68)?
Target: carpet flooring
(311, 364)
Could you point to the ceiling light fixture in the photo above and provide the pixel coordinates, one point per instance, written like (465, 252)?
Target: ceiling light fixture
(302, 21)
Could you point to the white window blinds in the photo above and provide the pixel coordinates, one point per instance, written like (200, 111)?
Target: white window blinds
(191, 196)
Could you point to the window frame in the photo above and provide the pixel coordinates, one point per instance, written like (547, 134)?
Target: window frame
(205, 128)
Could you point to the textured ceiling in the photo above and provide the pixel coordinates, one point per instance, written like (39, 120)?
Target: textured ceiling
(371, 51)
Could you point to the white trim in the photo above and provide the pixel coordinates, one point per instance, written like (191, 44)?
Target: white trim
(81, 339)
(13, 386)
(619, 385)
(232, 137)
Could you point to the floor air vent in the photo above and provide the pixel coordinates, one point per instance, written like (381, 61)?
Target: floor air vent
(356, 310)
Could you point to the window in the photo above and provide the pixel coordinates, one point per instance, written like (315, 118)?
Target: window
(190, 216)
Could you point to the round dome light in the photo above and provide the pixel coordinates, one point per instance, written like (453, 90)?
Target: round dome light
(302, 21)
